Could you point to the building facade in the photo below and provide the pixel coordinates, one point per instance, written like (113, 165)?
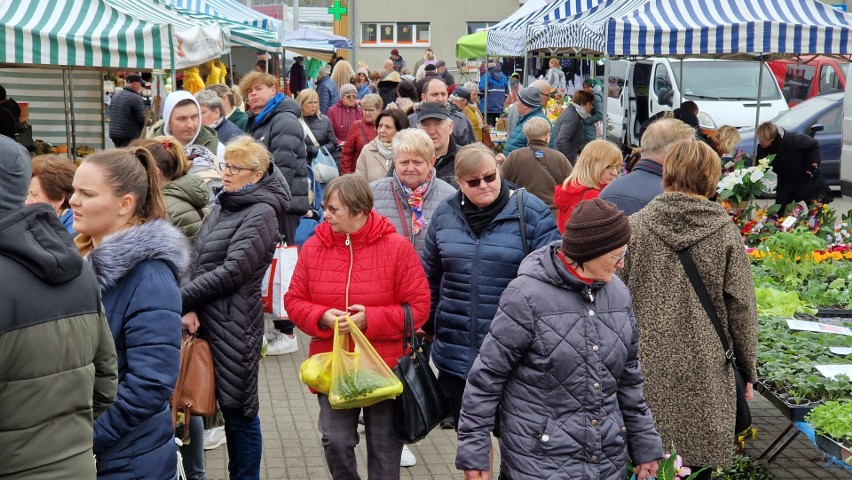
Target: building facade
(411, 26)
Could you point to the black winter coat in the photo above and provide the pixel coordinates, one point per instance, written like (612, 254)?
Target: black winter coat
(281, 133)
(321, 127)
(794, 155)
(562, 363)
(234, 249)
(127, 114)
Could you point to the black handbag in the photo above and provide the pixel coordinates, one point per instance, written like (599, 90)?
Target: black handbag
(422, 405)
(743, 419)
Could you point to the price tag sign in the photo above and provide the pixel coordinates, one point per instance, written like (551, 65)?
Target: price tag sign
(788, 223)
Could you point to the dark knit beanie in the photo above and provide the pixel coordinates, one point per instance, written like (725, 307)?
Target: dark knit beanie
(595, 228)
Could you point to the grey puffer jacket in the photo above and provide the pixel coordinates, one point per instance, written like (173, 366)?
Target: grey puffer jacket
(234, 249)
(384, 191)
(282, 134)
(561, 363)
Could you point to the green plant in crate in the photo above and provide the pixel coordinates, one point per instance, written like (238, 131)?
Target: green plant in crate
(833, 419)
(743, 467)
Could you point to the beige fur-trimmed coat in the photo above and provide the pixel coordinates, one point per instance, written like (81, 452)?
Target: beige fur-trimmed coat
(688, 385)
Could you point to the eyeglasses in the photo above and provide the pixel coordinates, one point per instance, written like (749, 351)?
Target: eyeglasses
(233, 169)
(619, 258)
(476, 181)
(330, 209)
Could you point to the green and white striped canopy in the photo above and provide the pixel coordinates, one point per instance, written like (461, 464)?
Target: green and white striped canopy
(84, 33)
(241, 33)
(195, 41)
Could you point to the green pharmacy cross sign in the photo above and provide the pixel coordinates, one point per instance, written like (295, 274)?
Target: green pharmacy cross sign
(338, 10)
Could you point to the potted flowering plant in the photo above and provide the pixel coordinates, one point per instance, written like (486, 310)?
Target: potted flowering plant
(740, 184)
(670, 468)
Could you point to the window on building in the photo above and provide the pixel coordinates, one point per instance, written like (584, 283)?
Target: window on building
(405, 33)
(473, 27)
(408, 33)
(369, 33)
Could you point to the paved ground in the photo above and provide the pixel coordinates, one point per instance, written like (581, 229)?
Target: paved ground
(292, 450)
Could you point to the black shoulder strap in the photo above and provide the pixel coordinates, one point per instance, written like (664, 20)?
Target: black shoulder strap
(409, 339)
(704, 298)
(526, 243)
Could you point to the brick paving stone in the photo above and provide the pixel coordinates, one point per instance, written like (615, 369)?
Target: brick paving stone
(292, 448)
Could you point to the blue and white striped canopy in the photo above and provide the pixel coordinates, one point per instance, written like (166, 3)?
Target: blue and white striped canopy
(721, 27)
(508, 38)
(583, 33)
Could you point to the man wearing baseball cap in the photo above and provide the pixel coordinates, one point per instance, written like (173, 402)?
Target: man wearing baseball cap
(444, 73)
(528, 106)
(127, 112)
(434, 119)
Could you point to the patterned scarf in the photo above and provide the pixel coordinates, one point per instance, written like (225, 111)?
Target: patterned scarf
(415, 200)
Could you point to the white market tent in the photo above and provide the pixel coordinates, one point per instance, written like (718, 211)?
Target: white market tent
(509, 37)
(242, 33)
(724, 27)
(234, 11)
(83, 33)
(196, 42)
(580, 34)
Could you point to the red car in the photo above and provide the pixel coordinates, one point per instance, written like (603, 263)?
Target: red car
(804, 77)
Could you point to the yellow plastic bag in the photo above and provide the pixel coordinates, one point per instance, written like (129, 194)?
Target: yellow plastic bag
(359, 378)
(315, 372)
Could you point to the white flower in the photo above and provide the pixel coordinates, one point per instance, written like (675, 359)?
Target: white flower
(763, 162)
(755, 175)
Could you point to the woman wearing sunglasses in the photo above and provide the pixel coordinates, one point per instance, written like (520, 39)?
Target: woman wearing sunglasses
(560, 366)
(233, 251)
(473, 249)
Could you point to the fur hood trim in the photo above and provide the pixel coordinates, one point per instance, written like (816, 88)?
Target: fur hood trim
(122, 251)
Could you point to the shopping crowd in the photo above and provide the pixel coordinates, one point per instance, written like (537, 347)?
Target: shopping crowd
(540, 278)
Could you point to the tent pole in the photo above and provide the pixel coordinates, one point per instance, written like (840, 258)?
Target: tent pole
(759, 100)
(230, 67)
(73, 151)
(486, 87)
(525, 77)
(680, 87)
(67, 119)
(606, 98)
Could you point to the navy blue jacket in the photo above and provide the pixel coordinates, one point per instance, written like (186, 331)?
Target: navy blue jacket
(467, 274)
(328, 94)
(138, 271)
(227, 131)
(498, 88)
(632, 192)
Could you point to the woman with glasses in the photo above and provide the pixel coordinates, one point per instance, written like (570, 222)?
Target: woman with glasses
(474, 246)
(559, 369)
(376, 159)
(682, 218)
(357, 265)
(222, 299)
(597, 166)
(362, 132)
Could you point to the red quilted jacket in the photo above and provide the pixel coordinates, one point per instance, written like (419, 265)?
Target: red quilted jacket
(385, 273)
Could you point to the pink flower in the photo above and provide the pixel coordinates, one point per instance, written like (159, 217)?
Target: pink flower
(680, 469)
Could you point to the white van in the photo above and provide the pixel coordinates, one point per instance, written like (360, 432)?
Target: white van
(725, 91)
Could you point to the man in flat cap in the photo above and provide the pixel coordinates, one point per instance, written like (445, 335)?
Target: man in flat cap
(127, 112)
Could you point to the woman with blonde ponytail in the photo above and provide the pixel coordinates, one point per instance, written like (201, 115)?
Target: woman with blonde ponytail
(138, 258)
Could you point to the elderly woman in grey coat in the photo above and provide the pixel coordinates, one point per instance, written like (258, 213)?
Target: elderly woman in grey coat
(560, 365)
(701, 423)
(410, 196)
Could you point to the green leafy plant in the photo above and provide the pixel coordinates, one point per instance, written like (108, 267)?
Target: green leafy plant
(743, 467)
(834, 420)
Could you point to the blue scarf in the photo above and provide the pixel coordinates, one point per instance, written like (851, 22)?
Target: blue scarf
(223, 192)
(272, 105)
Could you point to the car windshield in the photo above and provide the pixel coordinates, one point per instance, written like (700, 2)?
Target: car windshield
(725, 80)
(795, 116)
